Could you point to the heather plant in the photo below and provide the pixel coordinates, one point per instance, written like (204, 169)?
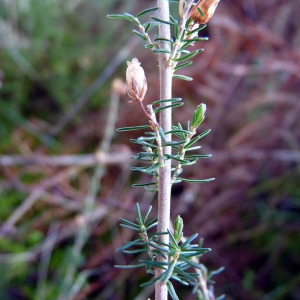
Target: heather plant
(167, 149)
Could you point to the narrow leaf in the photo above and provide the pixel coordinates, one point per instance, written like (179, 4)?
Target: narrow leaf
(146, 11)
(133, 128)
(129, 266)
(198, 156)
(128, 245)
(148, 46)
(167, 100)
(151, 282)
(191, 262)
(182, 77)
(162, 21)
(129, 223)
(162, 134)
(183, 65)
(139, 34)
(171, 291)
(162, 51)
(197, 138)
(144, 184)
(189, 55)
(138, 210)
(164, 40)
(156, 110)
(196, 180)
(191, 238)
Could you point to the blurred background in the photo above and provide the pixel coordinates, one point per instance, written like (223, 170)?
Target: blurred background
(64, 170)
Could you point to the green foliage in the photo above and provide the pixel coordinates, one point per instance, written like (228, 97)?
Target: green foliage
(185, 139)
(176, 258)
(184, 37)
(183, 256)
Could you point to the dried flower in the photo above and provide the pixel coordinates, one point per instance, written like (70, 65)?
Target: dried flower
(136, 80)
(207, 8)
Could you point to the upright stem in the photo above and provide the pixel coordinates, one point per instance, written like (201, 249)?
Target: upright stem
(165, 120)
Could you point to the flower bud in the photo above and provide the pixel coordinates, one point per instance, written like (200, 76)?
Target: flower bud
(207, 7)
(136, 80)
(198, 116)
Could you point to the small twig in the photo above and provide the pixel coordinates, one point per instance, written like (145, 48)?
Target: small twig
(83, 160)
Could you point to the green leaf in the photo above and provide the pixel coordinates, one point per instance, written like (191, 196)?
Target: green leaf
(151, 224)
(129, 266)
(162, 21)
(133, 128)
(151, 282)
(196, 180)
(129, 227)
(147, 26)
(167, 100)
(193, 148)
(176, 31)
(195, 40)
(154, 167)
(182, 77)
(174, 131)
(167, 106)
(177, 158)
(137, 141)
(192, 263)
(171, 291)
(192, 32)
(146, 138)
(125, 16)
(173, 239)
(139, 34)
(129, 223)
(188, 56)
(173, 143)
(183, 65)
(151, 189)
(132, 18)
(215, 272)
(163, 39)
(168, 273)
(162, 134)
(197, 138)
(148, 46)
(197, 156)
(188, 240)
(138, 210)
(134, 251)
(128, 245)
(146, 11)
(161, 51)
(177, 278)
(155, 264)
(144, 184)
(163, 249)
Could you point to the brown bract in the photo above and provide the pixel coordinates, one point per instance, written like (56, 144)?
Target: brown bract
(207, 7)
(136, 80)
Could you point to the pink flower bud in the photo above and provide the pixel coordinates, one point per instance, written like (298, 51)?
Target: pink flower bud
(136, 80)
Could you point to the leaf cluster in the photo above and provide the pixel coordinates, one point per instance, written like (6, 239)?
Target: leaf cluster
(183, 146)
(182, 38)
(183, 263)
